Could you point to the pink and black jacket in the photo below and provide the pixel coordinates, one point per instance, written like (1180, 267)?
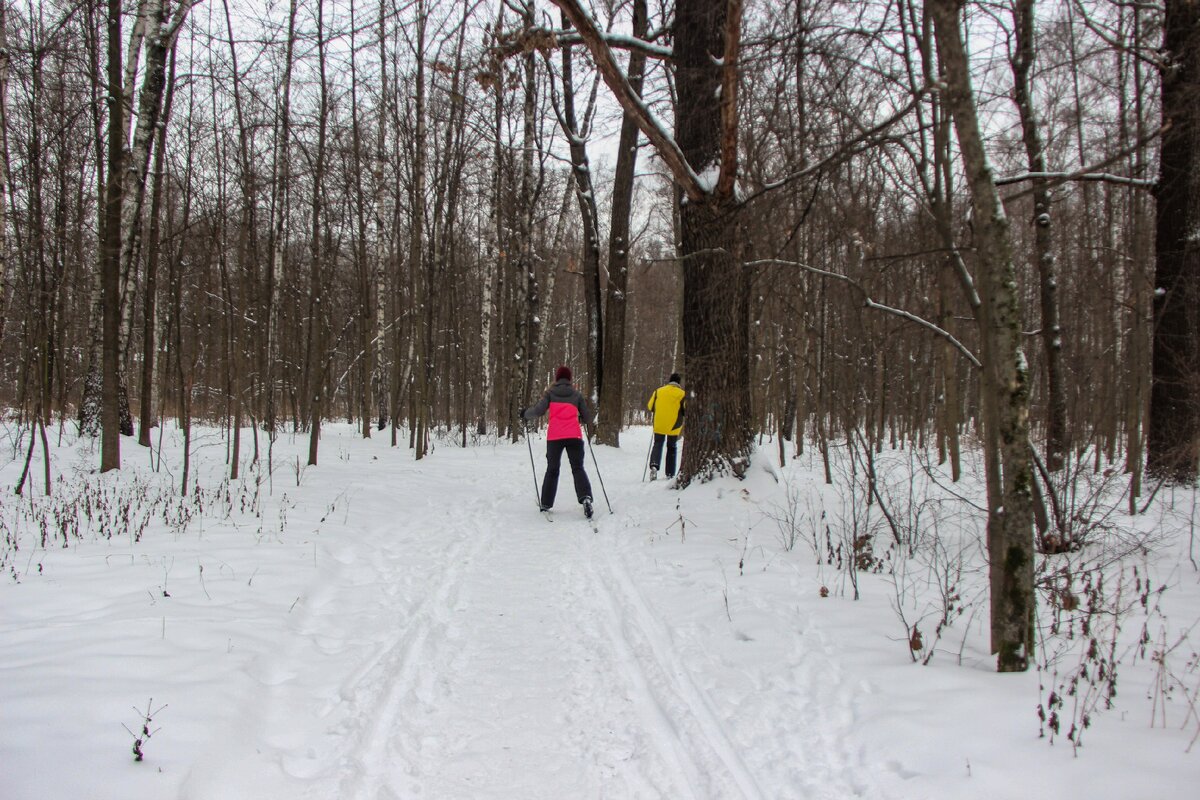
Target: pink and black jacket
(567, 408)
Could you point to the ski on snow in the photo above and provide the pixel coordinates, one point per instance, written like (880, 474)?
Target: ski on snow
(548, 515)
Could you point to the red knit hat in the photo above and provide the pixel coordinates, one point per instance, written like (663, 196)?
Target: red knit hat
(563, 372)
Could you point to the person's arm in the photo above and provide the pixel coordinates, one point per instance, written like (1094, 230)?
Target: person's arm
(538, 408)
(585, 410)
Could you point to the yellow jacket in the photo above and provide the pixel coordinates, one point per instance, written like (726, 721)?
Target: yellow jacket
(668, 405)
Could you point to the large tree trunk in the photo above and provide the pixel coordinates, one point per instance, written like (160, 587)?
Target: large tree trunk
(715, 343)
(716, 285)
(1173, 437)
(1010, 537)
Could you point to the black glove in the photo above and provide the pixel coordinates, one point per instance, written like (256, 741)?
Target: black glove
(521, 413)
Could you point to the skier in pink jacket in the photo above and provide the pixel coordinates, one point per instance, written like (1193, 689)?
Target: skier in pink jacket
(567, 408)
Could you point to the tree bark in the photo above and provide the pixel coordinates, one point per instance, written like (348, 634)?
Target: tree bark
(110, 254)
(716, 286)
(1173, 435)
(5, 60)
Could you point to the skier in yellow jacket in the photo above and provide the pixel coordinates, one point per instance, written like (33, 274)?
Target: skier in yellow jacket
(668, 403)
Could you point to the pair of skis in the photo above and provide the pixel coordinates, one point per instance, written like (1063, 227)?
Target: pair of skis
(548, 515)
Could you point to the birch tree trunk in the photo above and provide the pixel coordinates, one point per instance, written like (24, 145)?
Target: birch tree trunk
(379, 226)
(529, 299)
(1010, 539)
(147, 417)
(493, 266)
(150, 22)
(1057, 441)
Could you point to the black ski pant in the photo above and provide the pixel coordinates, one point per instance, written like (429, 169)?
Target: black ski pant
(672, 440)
(554, 451)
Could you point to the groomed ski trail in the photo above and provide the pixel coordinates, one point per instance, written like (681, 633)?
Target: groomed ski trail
(505, 658)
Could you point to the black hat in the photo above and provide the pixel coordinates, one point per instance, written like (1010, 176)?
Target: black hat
(674, 378)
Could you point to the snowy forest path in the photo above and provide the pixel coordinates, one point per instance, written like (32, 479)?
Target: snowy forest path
(468, 649)
(516, 678)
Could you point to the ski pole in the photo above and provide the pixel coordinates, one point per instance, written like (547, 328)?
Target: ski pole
(598, 475)
(532, 466)
(648, 451)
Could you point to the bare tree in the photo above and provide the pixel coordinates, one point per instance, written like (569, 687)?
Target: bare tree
(1023, 56)
(422, 298)
(585, 195)
(316, 362)
(110, 261)
(612, 389)
(1005, 393)
(281, 180)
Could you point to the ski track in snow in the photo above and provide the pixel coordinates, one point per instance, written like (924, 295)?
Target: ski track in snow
(680, 714)
(529, 663)
(384, 682)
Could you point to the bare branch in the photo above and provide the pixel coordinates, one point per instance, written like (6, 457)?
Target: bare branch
(618, 83)
(869, 303)
(545, 38)
(1089, 173)
(729, 94)
(869, 138)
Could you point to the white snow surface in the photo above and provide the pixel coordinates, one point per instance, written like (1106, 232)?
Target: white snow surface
(379, 627)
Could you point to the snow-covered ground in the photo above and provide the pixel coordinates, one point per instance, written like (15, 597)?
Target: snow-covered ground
(378, 627)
